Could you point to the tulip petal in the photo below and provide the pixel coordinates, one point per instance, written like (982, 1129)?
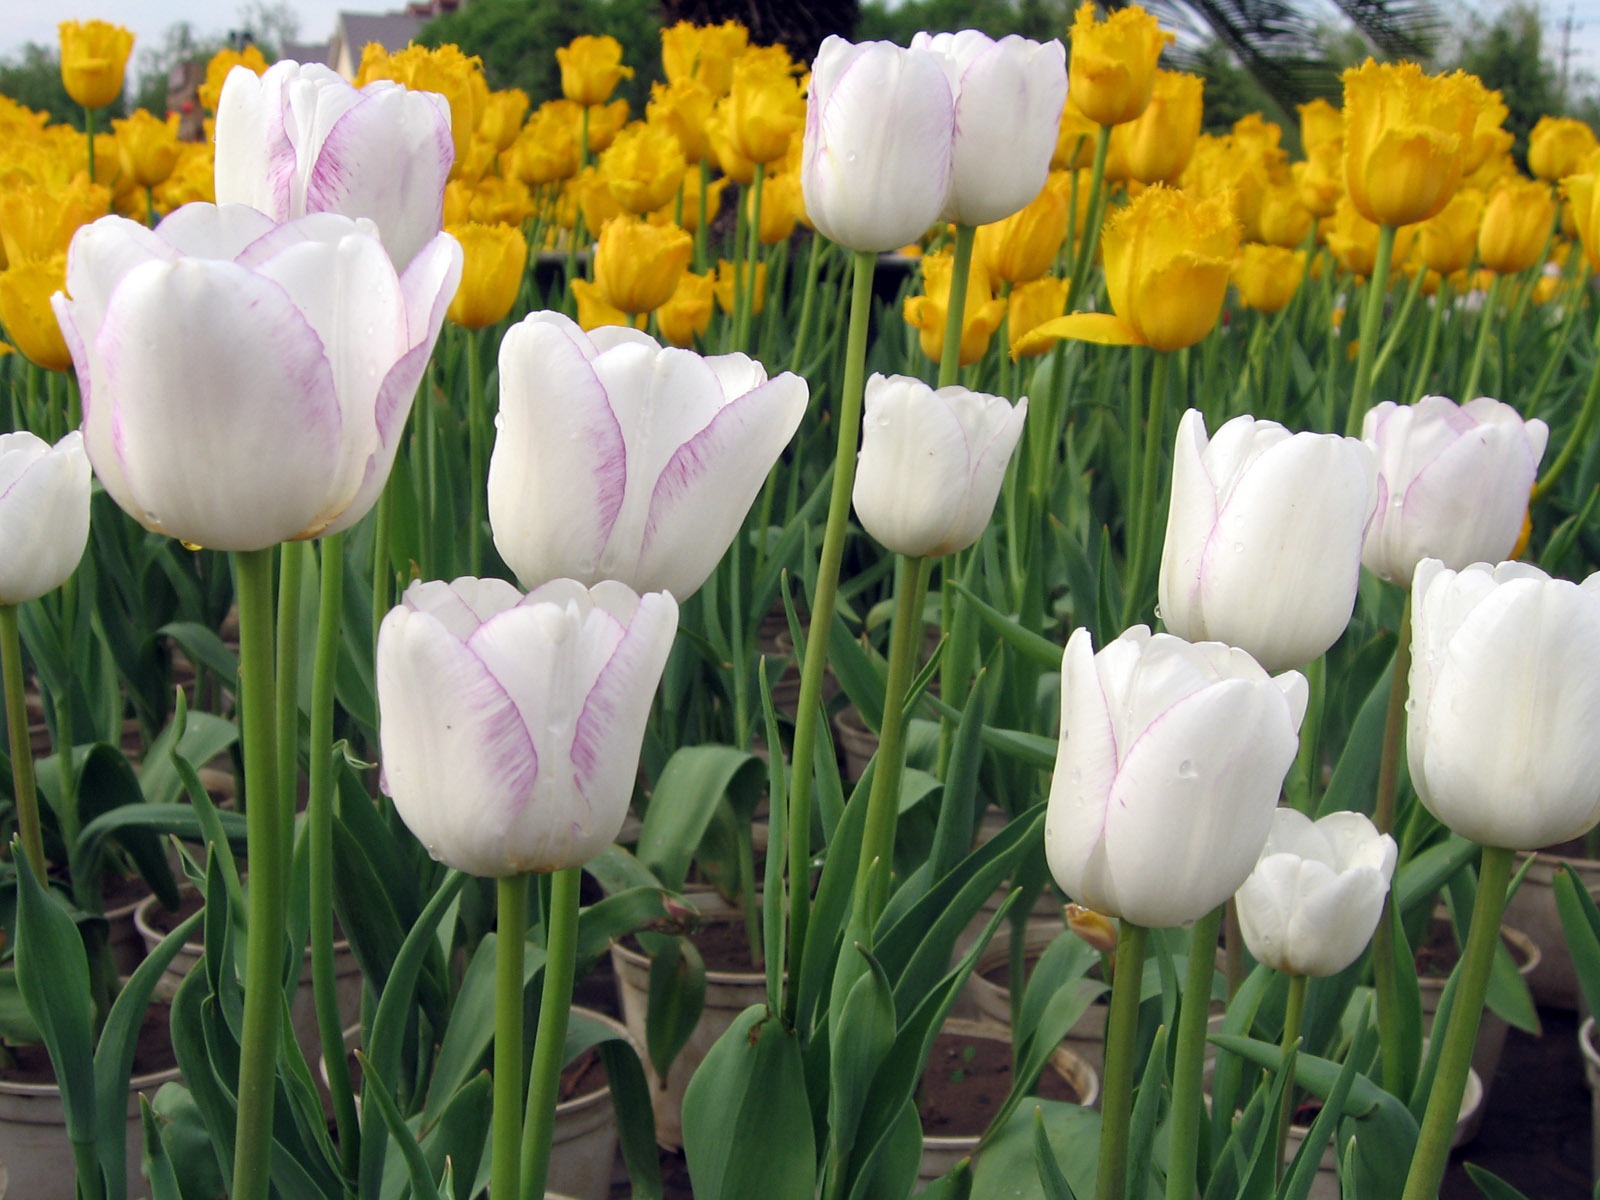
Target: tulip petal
(44, 513)
(1191, 516)
(1086, 768)
(1106, 329)
(259, 458)
(221, 231)
(463, 604)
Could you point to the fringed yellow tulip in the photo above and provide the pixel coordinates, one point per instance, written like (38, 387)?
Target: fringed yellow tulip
(1156, 145)
(980, 317)
(1030, 306)
(637, 265)
(493, 200)
(37, 221)
(1353, 240)
(765, 107)
(25, 312)
(1111, 72)
(223, 61)
(94, 58)
(1320, 124)
(1075, 138)
(594, 310)
(1489, 136)
(1558, 147)
(1167, 257)
(503, 114)
(726, 278)
(687, 315)
(1446, 243)
(781, 206)
(192, 181)
(545, 151)
(591, 68)
(1284, 220)
(148, 146)
(704, 54)
(643, 167)
(1406, 139)
(730, 159)
(1516, 225)
(494, 258)
(1320, 178)
(683, 108)
(595, 201)
(1023, 246)
(1266, 276)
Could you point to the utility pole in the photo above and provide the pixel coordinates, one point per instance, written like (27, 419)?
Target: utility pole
(1566, 56)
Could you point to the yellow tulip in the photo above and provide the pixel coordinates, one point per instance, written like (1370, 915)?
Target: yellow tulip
(605, 122)
(25, 312)
(1031, 305)
(687, 315)
(1156, 145)
(1320, 178)
(1320, 123)
(591, 68)
(682, 108)
(1235, 169)
(480, 160)
(546, 149)
(223, 61)
(1111, 72)
(595, 201)
(726, 278)
(1073, 188)
(1446, 243)
(1495, 168)
(731, 160)
(637, 265)
(1516, 225)
(148, 146)
(1167, 257)
(37, 222)
(1075, 138)
(1558, 147)
(1022, 247)
(781, 206)
(687, 211)
(1406, 139)
(594, 310)
(765, 107)
(1353, 239)
(643, 168)
(1283, 220)
(503, 114)
(1266, 276)
(703, 54)
(192, 181)
(980, 317)
(94, 58)
(446, 70)
(1489, 138)
(494, 258)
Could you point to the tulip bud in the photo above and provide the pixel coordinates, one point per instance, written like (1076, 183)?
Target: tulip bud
(1266, 277)
(1558, 147)
(94, 58)
(637, 265)
(1095, 929)
(1168, 771)
(1500, 733)
(1263, 546)
(1407, 138)
(25, 312)
(1157, 145)
(617, 459)
(931, 463)
(44, 513)
(1516, 225)
(1113, 68)
(1312, 902)
(510, 725)
(1453, 482)
(980, 317)
(494, 258)
(591, 68)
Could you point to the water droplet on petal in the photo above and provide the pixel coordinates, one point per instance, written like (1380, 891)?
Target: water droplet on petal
(1238, 547)
(1411, 706)
(1186, 769)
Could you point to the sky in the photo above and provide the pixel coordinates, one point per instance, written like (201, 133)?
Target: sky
(150, 19)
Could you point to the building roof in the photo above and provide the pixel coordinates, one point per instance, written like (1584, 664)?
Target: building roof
(392, 31)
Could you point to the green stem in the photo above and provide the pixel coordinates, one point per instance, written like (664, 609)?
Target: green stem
(561, 946)
(1145, 516)
(1579, 437)
(1122, 1031)
(511, 939)
(1305, 776)
(1430, 345)
(822, 604)
(1188, 1069)
(1397, 327)
(877, 840)
(1455, 1057)
(1371, 319)
(88, 136)
(1491, 303)
(956, 308)
(381, 573)
(477, 448)
(1292, 1018)
(27, 795)
(319, 837)
(291, 572)
(263, 996)
(808, 303)
(1083, 256)
(700, 261)
(745, 271)
(1384, 978)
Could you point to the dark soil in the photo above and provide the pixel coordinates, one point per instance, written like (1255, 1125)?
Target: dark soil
(723, 946)
(152, 1052)
(967, 1080)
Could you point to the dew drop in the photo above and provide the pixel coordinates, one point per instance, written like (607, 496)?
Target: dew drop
(1411, 706)
(1238, 547)
(1160, 616)
(1186, 769)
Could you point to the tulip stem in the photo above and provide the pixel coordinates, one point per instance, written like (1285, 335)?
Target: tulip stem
(1430, 345)
(877, 840)
(956, 308)
(1491, 303)
(549, 1042)
(1306, 774)
(1397, 327)
(820, 626)
(88, 135)
(808, 303)
(745, 259)
(1187, 1072)
(1144, 515)
(319, 838)
(1579, 437)
(380, 559)
(477, 436)
(511, 939)
(1371, 319)
(22, 782)
(1455, 1056)
(1293, 1015)
(264, 924)
(291, 571)
(1122, 1031)
(1384, 979)
(1083, 255)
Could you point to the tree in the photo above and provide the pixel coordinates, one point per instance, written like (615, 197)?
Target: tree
(1507, 54)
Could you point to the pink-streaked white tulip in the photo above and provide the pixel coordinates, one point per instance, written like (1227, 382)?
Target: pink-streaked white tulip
(1264, 532)
(510, 725)
(1171, 758)
(618, 459)
(931, 463)
(877, 156)
(244, 382)
(1008, 99)
(1505, 701)
(1453, 482)
(1314, 899)
(300, 139)
(44, 513)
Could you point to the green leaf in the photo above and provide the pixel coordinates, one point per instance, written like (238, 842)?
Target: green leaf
(746, 1116)
(1051, 1179)
(1146, 1109)
(1013, 1165)
(1580, 921)
(1030, 645)
(460, 1135)
(860, 1036)
(636, 1122)
(157, 1166)
(186, 1143)
(694, 781)
(205, 649)
(1491, 1185)
(676, 999)
(422, 1180)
